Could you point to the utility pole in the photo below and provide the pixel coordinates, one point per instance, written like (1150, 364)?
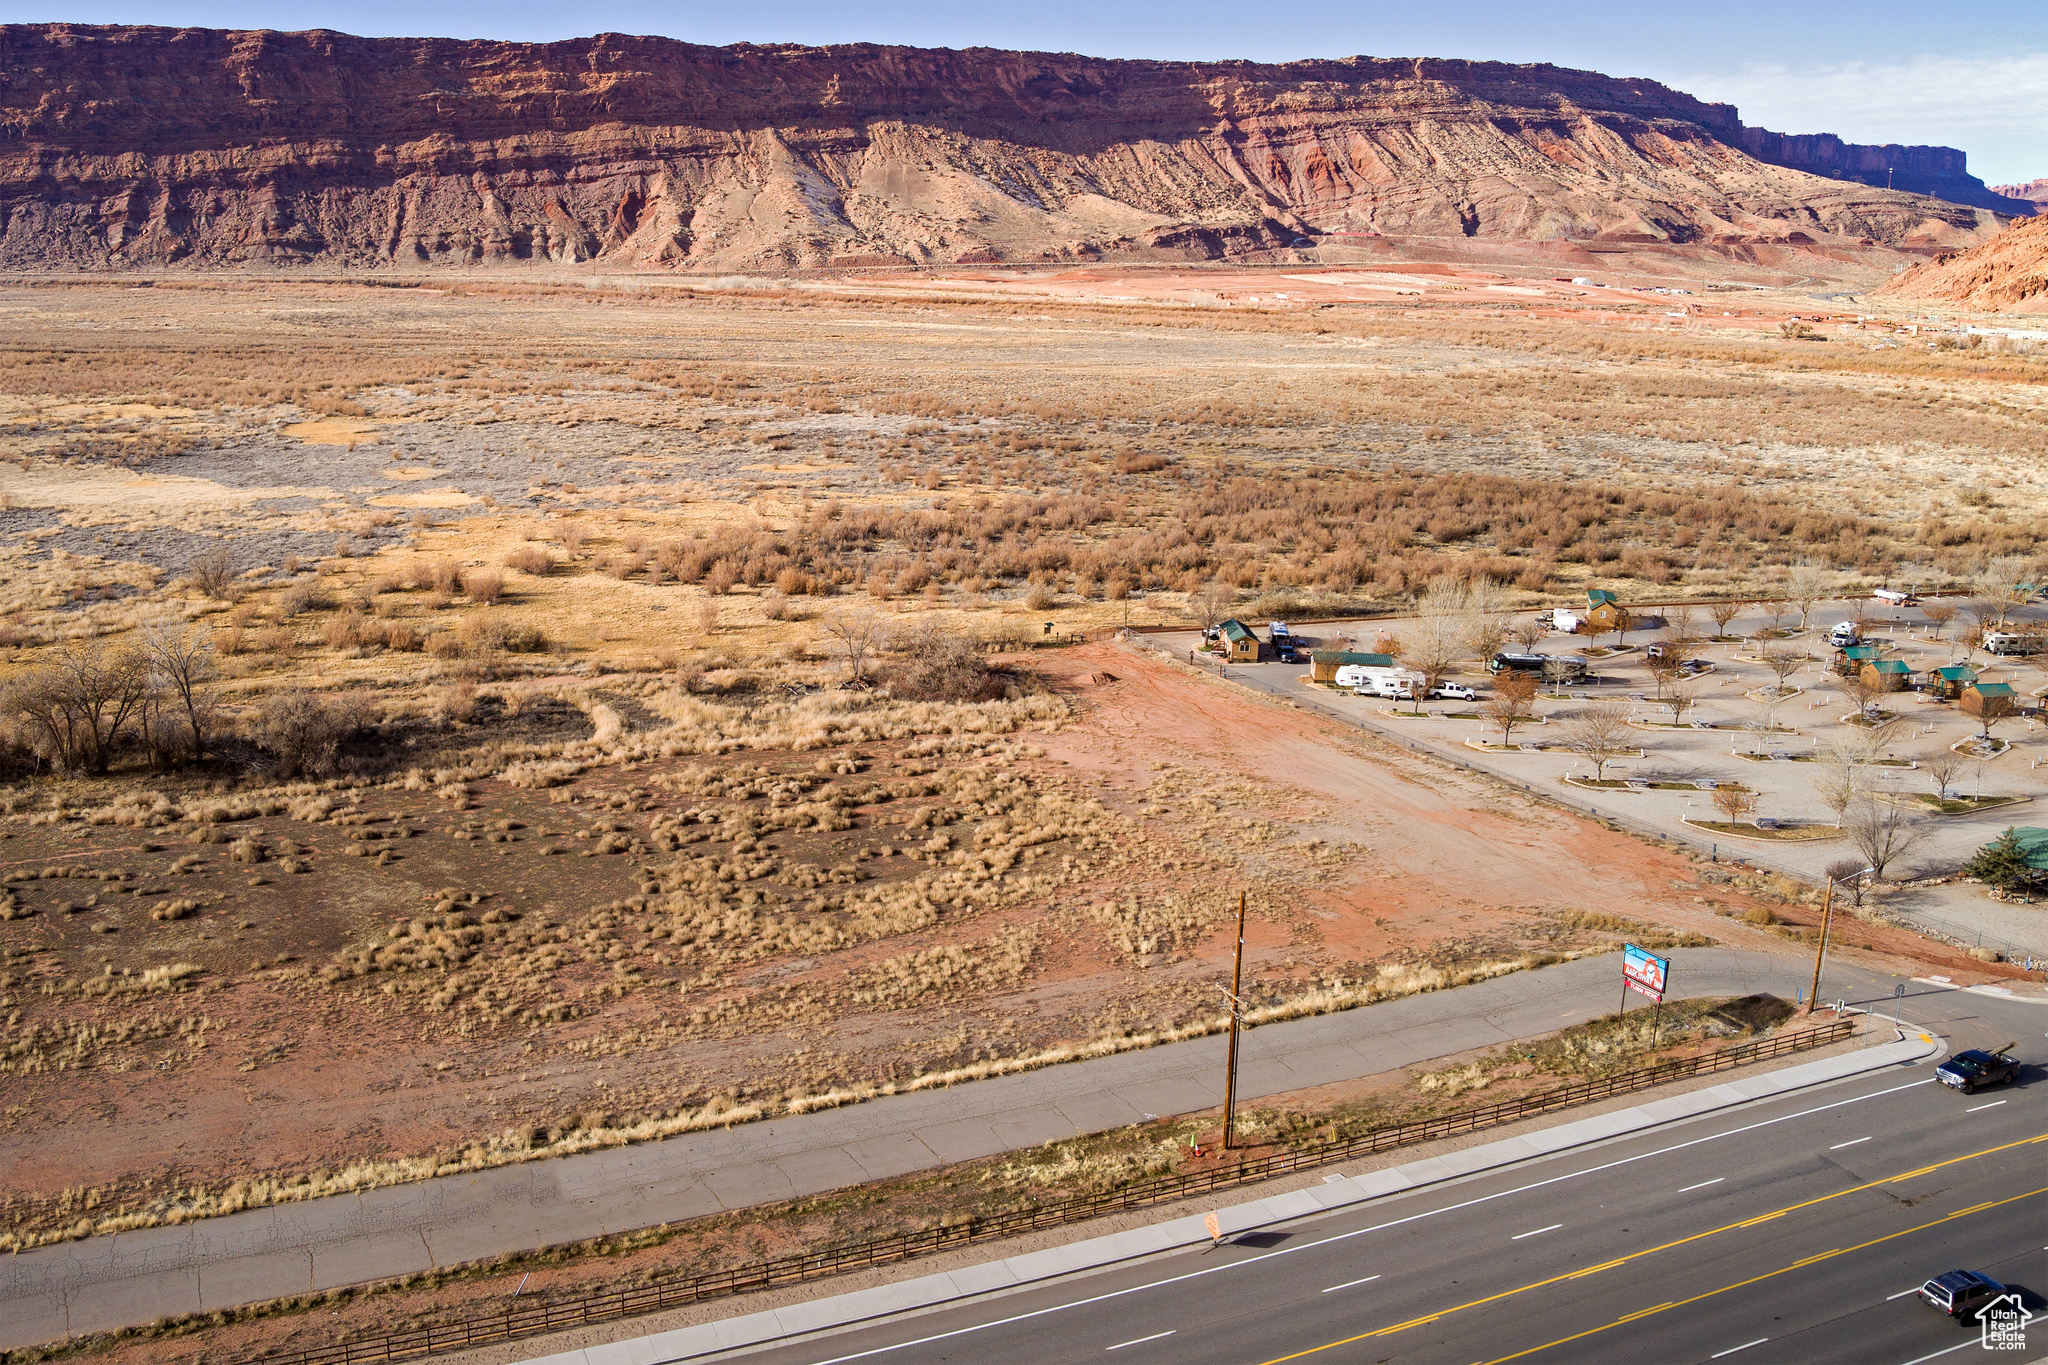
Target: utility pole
(1827, 914)
(1827, 919)
(1236, 1008)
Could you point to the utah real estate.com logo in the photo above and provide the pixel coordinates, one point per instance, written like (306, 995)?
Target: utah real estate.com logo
(2004, 1321)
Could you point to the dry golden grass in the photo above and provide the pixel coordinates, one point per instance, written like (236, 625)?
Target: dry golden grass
(672, 612)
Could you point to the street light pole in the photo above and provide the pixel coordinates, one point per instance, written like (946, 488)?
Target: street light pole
(1236, 1008)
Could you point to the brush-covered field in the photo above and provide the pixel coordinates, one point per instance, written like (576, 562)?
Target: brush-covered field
(448, 725)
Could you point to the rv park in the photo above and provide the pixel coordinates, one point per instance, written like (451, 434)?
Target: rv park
(1746, 720)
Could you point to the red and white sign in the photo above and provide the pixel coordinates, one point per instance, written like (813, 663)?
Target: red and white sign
(1644, 972)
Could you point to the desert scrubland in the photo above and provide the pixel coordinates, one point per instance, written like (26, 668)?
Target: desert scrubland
(470, 717)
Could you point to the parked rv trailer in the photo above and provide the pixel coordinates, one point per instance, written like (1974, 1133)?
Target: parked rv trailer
(2012, 642)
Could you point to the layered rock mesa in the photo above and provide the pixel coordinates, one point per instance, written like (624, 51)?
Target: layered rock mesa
(2034, 192)
(2007, 273)
(153, 146)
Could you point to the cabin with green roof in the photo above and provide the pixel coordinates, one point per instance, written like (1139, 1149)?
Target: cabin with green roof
(1239, 644)
(1989, 701)
(1886, 675)
(1603, 610)
(1948, 683)
(1850, 661)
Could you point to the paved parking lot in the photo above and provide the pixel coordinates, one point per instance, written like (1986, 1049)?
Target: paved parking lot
(1806, 724)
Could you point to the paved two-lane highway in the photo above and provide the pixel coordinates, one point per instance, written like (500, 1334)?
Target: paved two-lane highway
(1791, 1231)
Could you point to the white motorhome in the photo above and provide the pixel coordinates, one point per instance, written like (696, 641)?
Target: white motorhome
(1893, 597)
(1571, 623)
(1844, 634)
(2012, 642)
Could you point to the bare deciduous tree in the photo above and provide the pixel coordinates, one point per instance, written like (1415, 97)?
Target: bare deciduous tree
(1874, 740)
(1486, 617)
(1862, 690)
(1679, 699)
(1847, 873)
(1723, 613)
(1664, 671)
(1780, 663)
(1766, 721)
(1983, 615)
(1682, 631)
(1600, 733)
(1512, 702)
(183, 659)
(1942, 767)
(1527, 632)
(1883, 833)
(1439, 635)
(860, 632)
(1213, 603)
(1840, 781)
(1624, 620)
(1939, 612)
(1806, 584)
(1557, 673)
(2000, 582)
(1735, 803)
(213, 572)
(75, 707)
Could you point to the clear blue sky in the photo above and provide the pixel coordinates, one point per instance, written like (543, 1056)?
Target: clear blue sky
(1971, 75)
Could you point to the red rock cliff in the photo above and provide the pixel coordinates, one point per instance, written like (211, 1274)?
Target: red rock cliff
(127, 146)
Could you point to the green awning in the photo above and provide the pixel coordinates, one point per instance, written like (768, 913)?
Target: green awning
(2034, 844)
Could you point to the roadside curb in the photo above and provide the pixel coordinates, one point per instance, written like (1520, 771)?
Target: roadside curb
(1995, 992)
(933, 1291)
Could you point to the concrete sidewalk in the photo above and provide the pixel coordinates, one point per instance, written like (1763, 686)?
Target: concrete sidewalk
(930, 1291)
(133, 1277)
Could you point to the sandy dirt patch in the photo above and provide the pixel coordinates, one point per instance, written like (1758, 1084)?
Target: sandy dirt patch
(426, 497)
(334, 432)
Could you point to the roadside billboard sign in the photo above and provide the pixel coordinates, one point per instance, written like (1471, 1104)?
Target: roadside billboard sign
(1644, 972)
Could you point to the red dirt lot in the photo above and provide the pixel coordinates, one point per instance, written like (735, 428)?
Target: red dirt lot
(659, 943)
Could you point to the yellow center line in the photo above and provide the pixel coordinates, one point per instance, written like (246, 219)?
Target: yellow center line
(1645, 1312)
(1667, 1246)
(1768, 1274)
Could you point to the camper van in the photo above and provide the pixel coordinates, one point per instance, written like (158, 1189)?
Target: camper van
(1844, 634)
(1894, 598)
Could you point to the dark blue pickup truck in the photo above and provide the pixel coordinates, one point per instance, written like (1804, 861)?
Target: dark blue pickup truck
(1973, 1070)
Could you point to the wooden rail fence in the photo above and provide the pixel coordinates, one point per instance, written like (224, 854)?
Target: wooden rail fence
(514, 1321)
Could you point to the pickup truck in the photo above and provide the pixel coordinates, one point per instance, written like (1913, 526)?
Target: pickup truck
(1973, 1070)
